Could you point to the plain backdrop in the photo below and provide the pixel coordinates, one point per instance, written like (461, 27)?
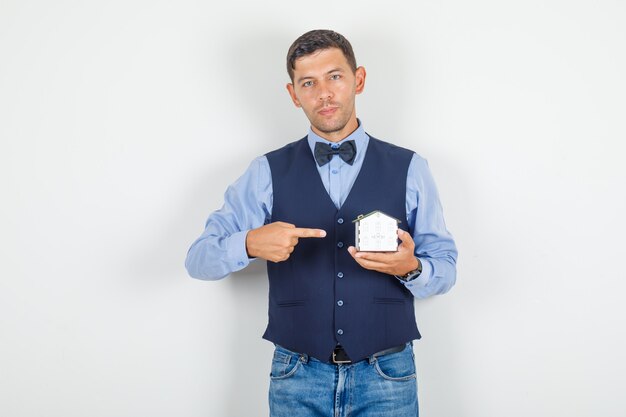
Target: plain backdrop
(123, 122)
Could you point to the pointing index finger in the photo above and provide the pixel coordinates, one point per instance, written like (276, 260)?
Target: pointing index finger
(303, 232)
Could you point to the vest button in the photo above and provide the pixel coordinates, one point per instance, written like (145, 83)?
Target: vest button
(340, 220)
(340, 303)
(340, 332)
(340, 274)
(340, 244)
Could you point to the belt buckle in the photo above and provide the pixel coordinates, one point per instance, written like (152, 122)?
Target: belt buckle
(339, 362)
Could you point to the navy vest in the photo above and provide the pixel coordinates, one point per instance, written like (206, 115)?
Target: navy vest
(320, 296)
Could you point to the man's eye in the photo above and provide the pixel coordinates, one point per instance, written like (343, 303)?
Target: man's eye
(307, 84)
(335, 77)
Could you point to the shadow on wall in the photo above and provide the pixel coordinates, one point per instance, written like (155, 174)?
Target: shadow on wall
(252, 355)
(387, 106)
(259, 77)
(257, 86)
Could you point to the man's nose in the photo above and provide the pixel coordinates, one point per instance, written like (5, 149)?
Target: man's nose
(324, 93)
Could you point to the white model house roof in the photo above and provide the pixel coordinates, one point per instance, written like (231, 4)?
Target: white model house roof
(363, 216)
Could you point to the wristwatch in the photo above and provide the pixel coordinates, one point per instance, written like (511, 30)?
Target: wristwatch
(411, 275)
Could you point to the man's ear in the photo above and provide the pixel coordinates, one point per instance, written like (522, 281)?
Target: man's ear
(292, 94)
(360, 75)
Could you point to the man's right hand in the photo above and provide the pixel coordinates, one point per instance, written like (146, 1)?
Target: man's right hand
(276, 241)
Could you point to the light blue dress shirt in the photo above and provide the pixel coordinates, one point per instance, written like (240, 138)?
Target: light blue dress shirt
(221, 249)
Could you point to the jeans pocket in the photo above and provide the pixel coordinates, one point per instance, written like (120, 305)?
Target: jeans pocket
(396, 366)
(284, 365)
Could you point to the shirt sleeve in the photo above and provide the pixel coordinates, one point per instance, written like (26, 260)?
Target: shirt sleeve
(221, 249)
(434, 245)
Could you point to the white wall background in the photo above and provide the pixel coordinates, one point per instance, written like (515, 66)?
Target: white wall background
(122, 123)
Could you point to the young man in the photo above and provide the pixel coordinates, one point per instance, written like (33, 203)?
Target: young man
(342, 320)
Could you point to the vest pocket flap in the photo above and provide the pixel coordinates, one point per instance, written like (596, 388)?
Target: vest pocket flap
(290, 303)
(383, 300)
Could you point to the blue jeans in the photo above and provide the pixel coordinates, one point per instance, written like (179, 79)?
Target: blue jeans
(302, 386)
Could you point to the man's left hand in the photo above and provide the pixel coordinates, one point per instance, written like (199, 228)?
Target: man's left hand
(393, 263)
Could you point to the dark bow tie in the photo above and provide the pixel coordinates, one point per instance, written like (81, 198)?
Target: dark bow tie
(324, 152)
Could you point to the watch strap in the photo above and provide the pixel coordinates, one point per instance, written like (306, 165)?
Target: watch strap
(411, 275)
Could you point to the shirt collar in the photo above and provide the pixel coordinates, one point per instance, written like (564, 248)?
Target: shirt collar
(359, 136)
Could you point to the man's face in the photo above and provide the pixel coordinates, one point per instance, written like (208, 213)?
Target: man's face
(325, 87)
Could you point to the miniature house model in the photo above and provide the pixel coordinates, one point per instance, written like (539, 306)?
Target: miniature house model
(376, 232)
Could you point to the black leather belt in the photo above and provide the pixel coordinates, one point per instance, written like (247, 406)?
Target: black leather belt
(340, 356)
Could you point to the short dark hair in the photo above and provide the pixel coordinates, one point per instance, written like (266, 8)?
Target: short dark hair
(316, 40)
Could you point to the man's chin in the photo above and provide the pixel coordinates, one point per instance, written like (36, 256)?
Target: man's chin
(329, 128)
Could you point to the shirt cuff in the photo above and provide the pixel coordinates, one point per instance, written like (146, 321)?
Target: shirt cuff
(236, 251)
(424, 277)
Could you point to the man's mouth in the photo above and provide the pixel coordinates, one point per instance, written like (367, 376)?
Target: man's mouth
(327, 111)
